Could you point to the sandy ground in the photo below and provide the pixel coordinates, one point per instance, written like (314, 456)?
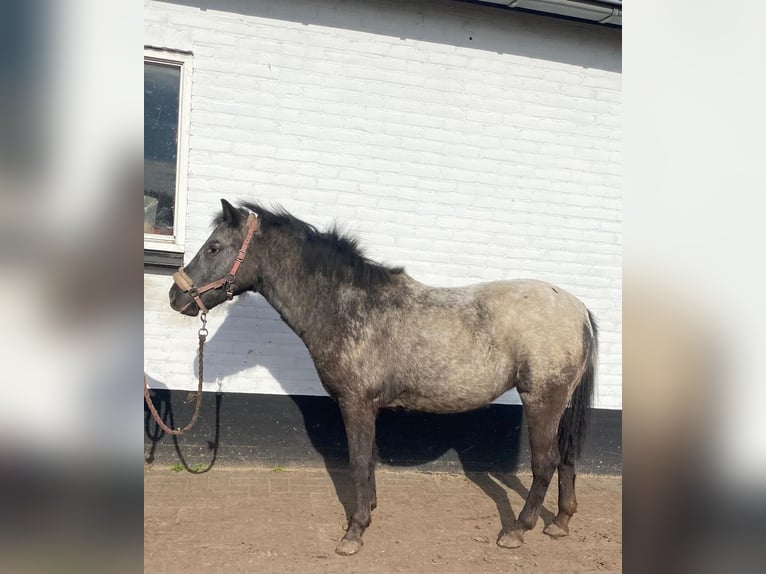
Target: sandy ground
(289, 520)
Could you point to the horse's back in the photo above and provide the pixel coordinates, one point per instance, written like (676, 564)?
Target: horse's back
(516, 306)
(531, 305)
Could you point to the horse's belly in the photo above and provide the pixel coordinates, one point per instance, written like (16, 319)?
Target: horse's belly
(449, 395)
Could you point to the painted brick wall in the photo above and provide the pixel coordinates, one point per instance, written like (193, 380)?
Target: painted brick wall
(463, 142)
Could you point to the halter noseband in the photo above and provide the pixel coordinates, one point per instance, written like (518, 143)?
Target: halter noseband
(186, 283)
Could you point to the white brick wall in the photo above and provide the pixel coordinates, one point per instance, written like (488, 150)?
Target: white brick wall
(463, 142)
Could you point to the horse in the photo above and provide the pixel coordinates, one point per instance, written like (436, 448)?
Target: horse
(381, 339)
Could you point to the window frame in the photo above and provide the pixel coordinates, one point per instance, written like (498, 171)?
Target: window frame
(155, 244)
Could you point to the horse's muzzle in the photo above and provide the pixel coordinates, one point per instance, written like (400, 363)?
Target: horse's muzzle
(182, 302)
(186, 284)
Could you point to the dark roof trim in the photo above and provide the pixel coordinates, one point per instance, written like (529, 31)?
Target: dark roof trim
(602, 12)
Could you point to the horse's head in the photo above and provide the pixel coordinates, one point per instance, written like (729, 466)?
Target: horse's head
(217, 272)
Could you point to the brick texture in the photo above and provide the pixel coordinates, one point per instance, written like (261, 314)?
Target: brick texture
(463, 142)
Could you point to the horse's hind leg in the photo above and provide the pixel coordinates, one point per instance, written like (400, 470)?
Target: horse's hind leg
(359, 418)
(542, 421)
(567, 499)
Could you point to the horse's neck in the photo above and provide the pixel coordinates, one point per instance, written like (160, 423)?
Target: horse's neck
(306, 302)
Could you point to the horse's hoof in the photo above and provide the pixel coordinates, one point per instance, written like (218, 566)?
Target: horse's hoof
(511, 540)
(555, 531)
(348, 547)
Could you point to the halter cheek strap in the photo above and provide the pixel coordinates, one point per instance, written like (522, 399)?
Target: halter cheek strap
(186, 283)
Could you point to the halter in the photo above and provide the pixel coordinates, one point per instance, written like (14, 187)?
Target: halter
(186, 283)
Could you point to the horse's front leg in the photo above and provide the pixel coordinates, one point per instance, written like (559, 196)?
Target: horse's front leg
(359, 418)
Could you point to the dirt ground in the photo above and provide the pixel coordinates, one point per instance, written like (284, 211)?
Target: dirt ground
(289, 520)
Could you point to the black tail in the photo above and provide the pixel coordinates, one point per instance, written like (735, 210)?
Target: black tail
(574, 421)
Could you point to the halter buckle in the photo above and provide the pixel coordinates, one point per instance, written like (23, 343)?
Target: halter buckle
(229, 286)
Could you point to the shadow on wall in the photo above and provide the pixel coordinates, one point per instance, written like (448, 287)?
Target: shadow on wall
(470, 26)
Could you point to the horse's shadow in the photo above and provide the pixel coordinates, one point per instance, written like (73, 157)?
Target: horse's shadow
(485, 444)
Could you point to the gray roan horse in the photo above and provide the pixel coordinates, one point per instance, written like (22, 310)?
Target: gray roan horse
(379, 338)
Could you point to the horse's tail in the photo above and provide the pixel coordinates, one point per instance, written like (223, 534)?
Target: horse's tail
(574, 421)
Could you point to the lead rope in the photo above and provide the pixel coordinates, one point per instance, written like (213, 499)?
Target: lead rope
(203, 332)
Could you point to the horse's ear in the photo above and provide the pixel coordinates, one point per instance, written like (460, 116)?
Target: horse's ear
(231, 214)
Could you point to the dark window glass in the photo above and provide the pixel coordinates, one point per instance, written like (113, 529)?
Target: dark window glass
(161, 97)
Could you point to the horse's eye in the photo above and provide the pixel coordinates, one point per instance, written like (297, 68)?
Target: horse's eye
(212, 249)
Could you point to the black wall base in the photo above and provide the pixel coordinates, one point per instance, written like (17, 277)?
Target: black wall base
(277, 430)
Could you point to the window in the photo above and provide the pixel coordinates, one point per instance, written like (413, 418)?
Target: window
(167, 103)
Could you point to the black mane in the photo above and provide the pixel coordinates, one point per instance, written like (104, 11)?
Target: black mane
(333, 253)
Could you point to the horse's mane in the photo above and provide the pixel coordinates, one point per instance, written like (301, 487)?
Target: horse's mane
(333, 253)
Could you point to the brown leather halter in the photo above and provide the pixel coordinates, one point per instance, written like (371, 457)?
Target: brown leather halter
(186, 283)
